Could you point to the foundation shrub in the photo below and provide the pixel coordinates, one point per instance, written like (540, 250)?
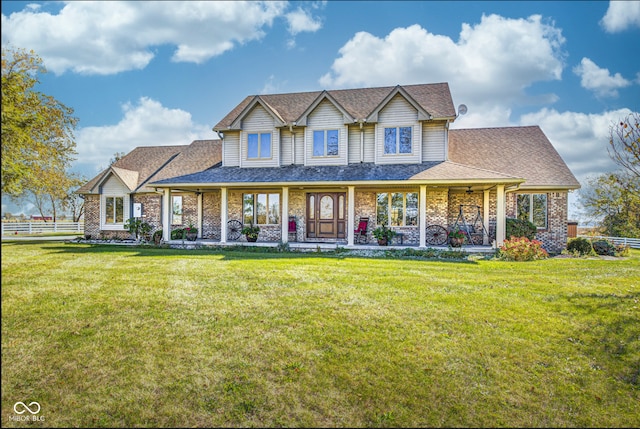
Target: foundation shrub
(522, 249)
(580, 246)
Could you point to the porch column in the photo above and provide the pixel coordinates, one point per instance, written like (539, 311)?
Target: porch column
(351, 213)
(501, 214)
(485, 216)
(223, 215)
(422, 221)
(166, 215)
(199, 220)
(285, 214)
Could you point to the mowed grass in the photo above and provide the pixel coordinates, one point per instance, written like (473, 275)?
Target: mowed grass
(107, 336)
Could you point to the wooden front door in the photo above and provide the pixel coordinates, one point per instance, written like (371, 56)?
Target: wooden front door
(326, 215)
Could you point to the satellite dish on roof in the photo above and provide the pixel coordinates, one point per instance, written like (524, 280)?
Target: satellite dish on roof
(462, 109)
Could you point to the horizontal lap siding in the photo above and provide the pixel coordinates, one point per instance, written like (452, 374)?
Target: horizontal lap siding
(259, 120)
(433, 141)
(326, 117)
(286, 155)
(369, 143)
(231, 147)
(399, 113)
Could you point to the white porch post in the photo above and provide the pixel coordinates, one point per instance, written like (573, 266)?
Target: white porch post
(422, 222)
(501, 222)
(351, 213)
(166, 215)
(285, 214)
(223, 215)
(199, 220)
(485, 216)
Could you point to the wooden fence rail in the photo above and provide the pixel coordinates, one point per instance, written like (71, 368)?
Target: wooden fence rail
(631, 242)
(11, 228)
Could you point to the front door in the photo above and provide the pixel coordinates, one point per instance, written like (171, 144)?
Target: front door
(326, 215)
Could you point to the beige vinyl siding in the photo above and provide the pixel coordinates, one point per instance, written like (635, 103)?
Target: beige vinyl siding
(398, 113)
(299, 150)
(433, 141)
(355, 142)
(113, 187)
(369, 143)
(286, 155)
(326, 117)
(231, 149)
(260, 121)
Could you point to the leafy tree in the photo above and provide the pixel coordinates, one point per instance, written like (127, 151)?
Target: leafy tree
(624, 144)
(37, 130)
(607, 198)
(53, 193)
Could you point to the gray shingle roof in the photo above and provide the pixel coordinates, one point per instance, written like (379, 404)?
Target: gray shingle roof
(522, 151)
(441, 172)
(435, 98)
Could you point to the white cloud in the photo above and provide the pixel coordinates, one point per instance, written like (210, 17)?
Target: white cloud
(146, 123)
(491, 65)
(301, 20)
(580, 138)
(621, 15)
(110, 37)
(599, 80)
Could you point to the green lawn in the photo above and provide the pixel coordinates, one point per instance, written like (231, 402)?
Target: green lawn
(119, 337)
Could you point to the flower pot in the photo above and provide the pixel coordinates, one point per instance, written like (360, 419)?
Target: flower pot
(456, 242)
(191, 236)
(383, 242)
(252, 238)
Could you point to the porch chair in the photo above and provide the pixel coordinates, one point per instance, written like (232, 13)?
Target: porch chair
(360, 234)
(293, 230)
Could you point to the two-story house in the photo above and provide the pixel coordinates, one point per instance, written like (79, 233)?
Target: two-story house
(329, 158)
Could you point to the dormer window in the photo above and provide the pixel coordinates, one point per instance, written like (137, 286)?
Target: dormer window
(397, 140)
(325, 142)
(259, 145)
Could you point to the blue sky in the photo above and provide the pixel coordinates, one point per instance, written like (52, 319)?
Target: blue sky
(156, 73)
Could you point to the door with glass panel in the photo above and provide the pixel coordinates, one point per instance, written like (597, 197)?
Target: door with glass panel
(326, 215)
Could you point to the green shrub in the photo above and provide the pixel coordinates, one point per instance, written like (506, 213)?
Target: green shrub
(604, 247)
(522, 249)
(579, 245)
(178, 234)
(622, 250)
(521, 228)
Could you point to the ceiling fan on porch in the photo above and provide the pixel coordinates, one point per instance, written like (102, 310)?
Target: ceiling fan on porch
(469, 191)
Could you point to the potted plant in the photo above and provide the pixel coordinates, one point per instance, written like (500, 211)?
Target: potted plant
(456, 237)
(251, 232)
(383, 234)
(191, 232)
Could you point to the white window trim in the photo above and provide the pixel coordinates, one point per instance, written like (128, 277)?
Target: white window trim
(325, 133)
(255, 202)
(118, 226)
(404, 207)
(546, 208)
(259, 134)
(397, 152)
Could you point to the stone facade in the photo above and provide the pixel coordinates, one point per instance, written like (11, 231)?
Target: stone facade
(443, 208)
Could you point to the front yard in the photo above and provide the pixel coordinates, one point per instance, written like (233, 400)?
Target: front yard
(108, 336)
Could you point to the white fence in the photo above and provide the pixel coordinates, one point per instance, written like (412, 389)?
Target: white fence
(631, 242)
(11, 228)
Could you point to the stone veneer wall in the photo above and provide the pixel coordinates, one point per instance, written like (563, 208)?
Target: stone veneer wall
(211, 215)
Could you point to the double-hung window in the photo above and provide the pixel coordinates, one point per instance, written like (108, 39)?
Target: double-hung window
(259, 145)
(397, 140)
(261, 209)
(114, 210)
(397, 208)
(533, 207)
(325, 142)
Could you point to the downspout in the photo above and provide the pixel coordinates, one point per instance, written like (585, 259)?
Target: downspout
(362, 140)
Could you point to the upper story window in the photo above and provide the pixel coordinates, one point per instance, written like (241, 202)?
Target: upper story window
(533, 207)
(259, 145)
(114, 210)
(325, 143)
(397, 140)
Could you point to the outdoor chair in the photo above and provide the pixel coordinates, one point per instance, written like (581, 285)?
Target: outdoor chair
(293, 230)
(360, 234)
